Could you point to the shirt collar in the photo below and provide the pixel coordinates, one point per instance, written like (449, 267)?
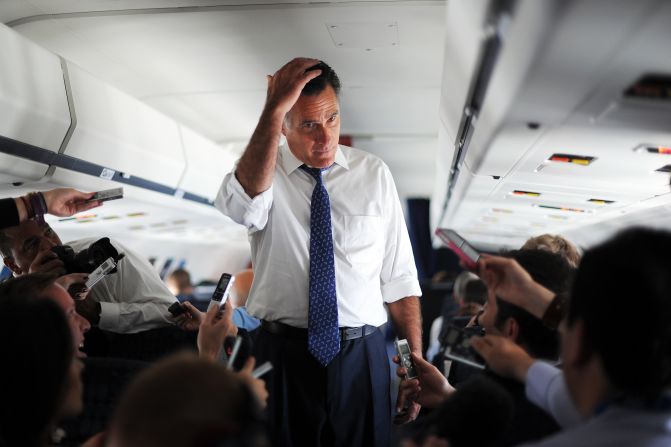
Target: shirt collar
(290, 163)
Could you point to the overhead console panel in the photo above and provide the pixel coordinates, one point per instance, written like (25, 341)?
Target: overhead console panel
(33, 103)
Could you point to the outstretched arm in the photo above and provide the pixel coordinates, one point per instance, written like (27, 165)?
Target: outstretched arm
(59, 202)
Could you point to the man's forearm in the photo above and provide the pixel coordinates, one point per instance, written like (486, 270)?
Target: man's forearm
(407, 318)
(257, 164)
(21, 210)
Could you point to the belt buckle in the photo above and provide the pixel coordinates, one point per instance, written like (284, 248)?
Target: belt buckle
(352, 332)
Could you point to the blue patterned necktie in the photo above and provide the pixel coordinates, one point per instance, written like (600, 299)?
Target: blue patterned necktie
(323, 333)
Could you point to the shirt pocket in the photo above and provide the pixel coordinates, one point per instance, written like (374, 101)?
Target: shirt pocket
(362, 239)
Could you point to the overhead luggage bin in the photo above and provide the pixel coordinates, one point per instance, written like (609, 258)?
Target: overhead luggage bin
(206, 164)
(33, 104)
(122, 134)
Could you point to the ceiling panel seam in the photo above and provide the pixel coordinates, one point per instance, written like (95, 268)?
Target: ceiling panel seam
(238, 7)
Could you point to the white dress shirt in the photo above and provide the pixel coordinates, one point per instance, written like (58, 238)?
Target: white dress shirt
(373, 257)
(546, 388)
(133, 299)
(616, 426)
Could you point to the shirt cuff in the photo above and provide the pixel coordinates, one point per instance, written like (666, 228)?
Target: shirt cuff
(259, 200)
(109, 316)
(400, 288)
(539, 380)
(233, 201)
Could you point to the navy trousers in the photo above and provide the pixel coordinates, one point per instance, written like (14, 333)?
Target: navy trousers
(345, 404)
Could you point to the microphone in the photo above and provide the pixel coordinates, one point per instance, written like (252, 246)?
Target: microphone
(242, 352)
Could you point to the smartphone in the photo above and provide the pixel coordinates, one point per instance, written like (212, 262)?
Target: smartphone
(108, 194)
(99, 273)
(261, 370)
(176, 309)
(465, 251)
(403, 351)
(457, 342)
(220, 294)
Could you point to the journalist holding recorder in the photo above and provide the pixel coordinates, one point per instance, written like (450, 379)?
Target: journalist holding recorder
(329, 249)
(132, 299)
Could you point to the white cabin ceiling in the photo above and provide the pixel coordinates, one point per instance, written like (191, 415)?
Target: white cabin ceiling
(204, 62)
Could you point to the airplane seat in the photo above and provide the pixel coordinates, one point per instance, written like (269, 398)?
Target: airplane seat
(204, 292)
(146, 346)
(431, 303)
(104, 381)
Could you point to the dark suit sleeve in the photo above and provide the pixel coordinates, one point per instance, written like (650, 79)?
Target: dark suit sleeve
(9, 215)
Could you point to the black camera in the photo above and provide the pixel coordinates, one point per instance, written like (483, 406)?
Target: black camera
(89, 259)
(457, 343)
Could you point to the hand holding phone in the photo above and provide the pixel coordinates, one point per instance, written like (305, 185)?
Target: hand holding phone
(220, 294)
(465, 251)
(105, 195)
(99, 273)
(176, 309)
(405, 359)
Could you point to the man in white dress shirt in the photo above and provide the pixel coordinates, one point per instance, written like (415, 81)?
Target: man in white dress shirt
(322, 392)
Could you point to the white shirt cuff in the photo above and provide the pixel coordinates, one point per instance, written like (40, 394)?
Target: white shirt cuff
(400, 288)
(539, 379)
(546, 388)
(109, 316)
(233, 201)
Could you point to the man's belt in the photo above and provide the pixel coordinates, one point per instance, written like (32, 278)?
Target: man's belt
(346, 333)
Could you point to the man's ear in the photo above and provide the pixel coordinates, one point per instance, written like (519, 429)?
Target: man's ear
(9, 262)
(512, 329)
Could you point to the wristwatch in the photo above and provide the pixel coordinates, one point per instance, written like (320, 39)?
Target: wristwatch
(555, 312)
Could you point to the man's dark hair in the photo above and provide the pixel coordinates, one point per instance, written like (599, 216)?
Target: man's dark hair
(218, 407)
(31, 285)
(37, 351)
(6, 240)
(622, 294)
(551, 271)
(318, 84)
(182, 278)
(475, 291)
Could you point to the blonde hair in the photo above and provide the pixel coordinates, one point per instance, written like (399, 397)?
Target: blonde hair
(555, 243)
